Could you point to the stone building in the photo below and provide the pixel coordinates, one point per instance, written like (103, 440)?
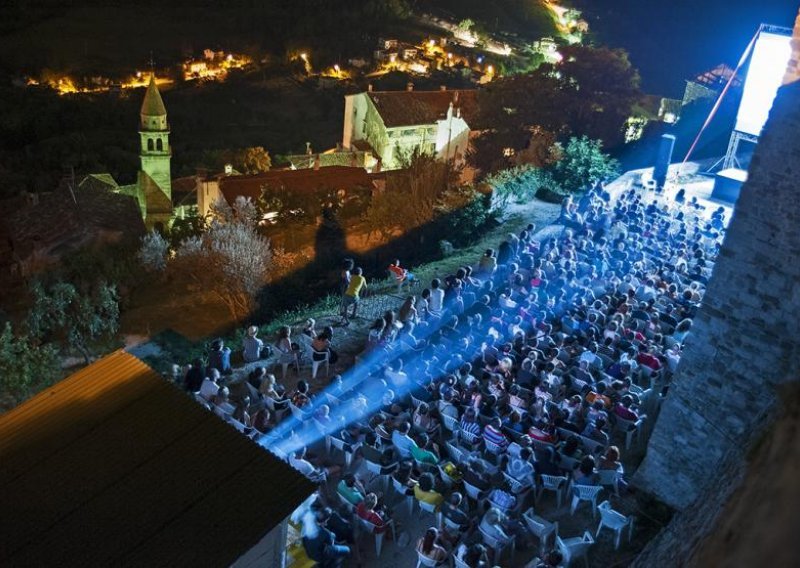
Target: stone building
(732, 380)
(391, 125)
(153, 187)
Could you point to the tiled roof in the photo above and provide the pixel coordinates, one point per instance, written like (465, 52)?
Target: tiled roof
(333, 177)
(411, 108)
(113, 466)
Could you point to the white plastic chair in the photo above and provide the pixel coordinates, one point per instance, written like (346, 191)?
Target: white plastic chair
(585, 493)
(497, 545)
(630, 428)
(493, 448)
(423, 560)
(474, 493)
(340, 445)
(315, 364)
(400, 489)
(458, 563)
(541, 528)
(609, 478)
(616, 521)
(456, 453)
(451, 425)
(470, 438)
(298, 413)
(375, 470)
(369, 528)
(415, 401)
(575, 547)
(555, 483)
(432, 509)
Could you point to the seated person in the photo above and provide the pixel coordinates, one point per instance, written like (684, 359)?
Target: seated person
(422, 453)
(193, 381)
(317, 474)
(425, 491)
(401, 274)
(210, 385)
(594, 431)
(404, 475)
(493, 433)
(428, 545)
(219, 357)
(624, 409)
(402, 441)
(322, 547)
(367, 510)
(521, 468)
(252, 346)
(475, 474)
(469, 422)
(502, 498)
(351, 489)
(424, 421)
(585, 474)
(452, 511)
(474, 556)
(571, 448)
(300, 397)
(493, 524)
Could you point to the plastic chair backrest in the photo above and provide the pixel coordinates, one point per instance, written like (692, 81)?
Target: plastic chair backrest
(553, 481)
(472, 491)
(587, 492)
(425, 561)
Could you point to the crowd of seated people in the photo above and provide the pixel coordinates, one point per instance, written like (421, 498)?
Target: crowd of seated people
(531, 365)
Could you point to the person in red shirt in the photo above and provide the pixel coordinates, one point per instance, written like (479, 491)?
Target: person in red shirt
(648, 360)
(367, 510)
(623, 409)
(400, 274)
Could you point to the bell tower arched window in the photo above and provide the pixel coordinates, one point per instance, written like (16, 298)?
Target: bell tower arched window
(159, 145)
(149, 144)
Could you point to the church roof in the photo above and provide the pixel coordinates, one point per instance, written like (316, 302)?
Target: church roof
(412, 108)
(114, 466)
(153, 105)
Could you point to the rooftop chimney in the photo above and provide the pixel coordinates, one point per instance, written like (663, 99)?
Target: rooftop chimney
(409, 86)
(442, 87)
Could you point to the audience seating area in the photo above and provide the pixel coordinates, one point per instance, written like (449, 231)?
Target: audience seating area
(507, 391)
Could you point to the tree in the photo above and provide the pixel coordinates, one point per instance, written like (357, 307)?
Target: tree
(466, 25)
(25, 367)
(250, 160)
(231, 259)
(80, 319)
(582, 164)
(591, 92)
(153, 252)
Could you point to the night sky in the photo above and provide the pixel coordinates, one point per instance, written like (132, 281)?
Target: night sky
(670, 41)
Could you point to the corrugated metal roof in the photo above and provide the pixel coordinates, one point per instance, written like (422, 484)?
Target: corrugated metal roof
(114, 466)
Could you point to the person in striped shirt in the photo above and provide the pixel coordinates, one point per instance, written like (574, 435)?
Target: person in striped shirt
(493, 433)
(469, 423)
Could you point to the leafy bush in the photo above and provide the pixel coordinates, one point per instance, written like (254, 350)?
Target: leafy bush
(153, 252)
(25, 367)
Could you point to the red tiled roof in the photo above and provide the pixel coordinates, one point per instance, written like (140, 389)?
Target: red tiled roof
(308, 180)
(114, 466)
(411, 108)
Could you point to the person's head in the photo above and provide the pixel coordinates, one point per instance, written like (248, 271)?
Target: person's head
(424, 440)
(396, 262)
(489, 253)
(456, 498)
(587, 465)
(423, 409)
(496, 423)
(612, 454)
(252, 331)
(371, 501)
(429, 539)
(525, 454)
(323, 515)
(469, 414)
(349, 480)
(302, 387)
(571, 445)
(426, 481)
(348, 264)
(285, 332)
(217, 344)
(404, 428)
(436, 283)
(214, 374)
(358, 271)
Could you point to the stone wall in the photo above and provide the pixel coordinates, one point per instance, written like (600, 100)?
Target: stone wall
(744, 340)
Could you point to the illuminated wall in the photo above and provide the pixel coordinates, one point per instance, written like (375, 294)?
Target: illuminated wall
(765, 74)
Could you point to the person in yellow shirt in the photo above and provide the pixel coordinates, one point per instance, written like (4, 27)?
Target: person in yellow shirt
(352, 294)
(424, 491)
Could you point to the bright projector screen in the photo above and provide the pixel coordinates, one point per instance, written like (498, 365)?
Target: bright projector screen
(767, 67)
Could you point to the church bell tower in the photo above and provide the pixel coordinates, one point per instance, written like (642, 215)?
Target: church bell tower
(155, 152)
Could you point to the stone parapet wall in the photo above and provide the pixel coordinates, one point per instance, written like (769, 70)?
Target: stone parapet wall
(744, 340)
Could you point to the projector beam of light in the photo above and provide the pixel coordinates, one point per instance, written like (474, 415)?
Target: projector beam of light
(292, 433)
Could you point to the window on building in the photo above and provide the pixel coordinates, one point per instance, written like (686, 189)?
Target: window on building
(411, 132)
(149, 144)
(159, 145)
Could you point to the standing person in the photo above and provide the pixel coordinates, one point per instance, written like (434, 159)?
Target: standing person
(352, 294)
(344, 276)
(219, 357)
